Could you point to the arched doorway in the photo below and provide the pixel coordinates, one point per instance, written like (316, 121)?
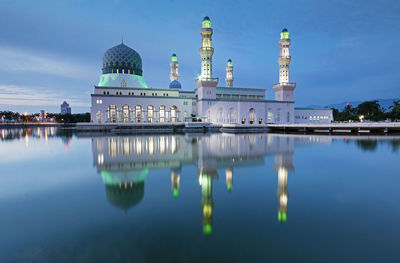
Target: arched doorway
(125, 114)
(138, 113)
(252, 115)
(174, 114)
(150, 113)
(112, 113)
(162, 114)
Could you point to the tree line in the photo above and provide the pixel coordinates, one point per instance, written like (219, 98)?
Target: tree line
(368, 111)
(16, 117)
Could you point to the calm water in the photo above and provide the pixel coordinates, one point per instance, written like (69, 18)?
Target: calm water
(198, 198)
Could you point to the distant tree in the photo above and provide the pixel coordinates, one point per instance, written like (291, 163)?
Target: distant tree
(394, 114)
(371, 110)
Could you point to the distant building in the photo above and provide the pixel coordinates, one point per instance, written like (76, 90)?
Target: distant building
(65, 108)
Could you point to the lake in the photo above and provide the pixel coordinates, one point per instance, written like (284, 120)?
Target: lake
(217, 197)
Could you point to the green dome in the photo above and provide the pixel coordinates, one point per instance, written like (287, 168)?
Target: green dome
(206, 22)
(284, 34)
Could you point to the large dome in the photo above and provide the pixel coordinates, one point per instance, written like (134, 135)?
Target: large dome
(122, 59)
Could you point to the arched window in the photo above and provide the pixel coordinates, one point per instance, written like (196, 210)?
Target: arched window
(125, 114)
(112, 113)
(288, 117)
(162, 114)
(150, 113)
(138, 113)
(174, 114)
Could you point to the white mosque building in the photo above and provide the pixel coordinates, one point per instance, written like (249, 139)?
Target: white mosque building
(122, 95)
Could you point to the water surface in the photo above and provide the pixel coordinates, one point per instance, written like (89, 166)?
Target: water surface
(198, 198)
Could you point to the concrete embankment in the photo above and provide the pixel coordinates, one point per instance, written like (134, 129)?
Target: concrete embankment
(125, 128)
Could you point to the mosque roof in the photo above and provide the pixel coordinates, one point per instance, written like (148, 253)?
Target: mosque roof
(206, 18)
(285, 30)
(122, 56)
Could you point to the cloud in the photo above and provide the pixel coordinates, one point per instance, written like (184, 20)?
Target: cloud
(22, 60)
(12, 95)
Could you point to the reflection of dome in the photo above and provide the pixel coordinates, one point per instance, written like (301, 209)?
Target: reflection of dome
(125, 198)
(124, 189)
(175, 85)
(122, 57)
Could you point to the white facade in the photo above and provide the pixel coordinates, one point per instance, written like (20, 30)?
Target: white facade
(122, 94)
(310, 115)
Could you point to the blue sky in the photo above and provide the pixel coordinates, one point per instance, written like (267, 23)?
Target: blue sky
(341, 50)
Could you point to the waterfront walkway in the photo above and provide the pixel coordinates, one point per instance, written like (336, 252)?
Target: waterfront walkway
(354, 127)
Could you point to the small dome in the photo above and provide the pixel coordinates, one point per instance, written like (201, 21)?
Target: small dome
(206, 18)
(174, 58)
(175, 85)
(122, 57)
(229, 60)
(285, 30)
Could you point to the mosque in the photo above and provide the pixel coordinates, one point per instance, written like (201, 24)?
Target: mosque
(122, 95)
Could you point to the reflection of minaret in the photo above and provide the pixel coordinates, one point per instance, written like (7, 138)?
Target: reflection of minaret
(229, 178)
(207, 170)
(175, 180)
(283, 164)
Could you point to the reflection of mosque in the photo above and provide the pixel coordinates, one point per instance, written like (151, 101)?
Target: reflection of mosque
(124, 163)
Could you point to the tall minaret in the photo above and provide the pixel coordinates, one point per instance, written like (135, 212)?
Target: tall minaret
(174, 75)
(284, 90)
(205, 83)
(206, 50)
(229, 73)
(284, 58)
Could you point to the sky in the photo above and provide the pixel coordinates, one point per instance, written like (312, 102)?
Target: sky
(342, 50)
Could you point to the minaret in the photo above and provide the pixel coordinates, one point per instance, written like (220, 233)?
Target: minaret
(205, 83)
(174, 75)
(206, 50)
(284, 90)
(229, 73)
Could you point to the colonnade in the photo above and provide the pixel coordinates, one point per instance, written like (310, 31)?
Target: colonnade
(138, 113)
